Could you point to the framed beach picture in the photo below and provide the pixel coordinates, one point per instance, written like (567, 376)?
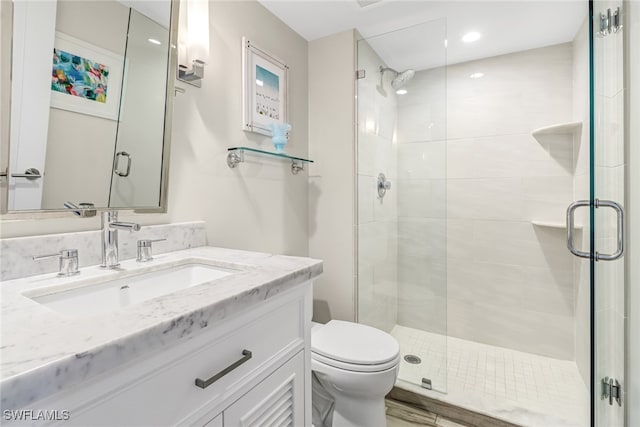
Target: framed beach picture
(85, 79)
(264, 89)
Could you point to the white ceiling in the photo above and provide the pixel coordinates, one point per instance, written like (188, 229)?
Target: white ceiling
(506, 26)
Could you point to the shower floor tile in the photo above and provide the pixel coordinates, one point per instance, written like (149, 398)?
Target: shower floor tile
(515, 386)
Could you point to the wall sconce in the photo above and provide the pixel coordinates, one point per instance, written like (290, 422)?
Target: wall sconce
(193, 41)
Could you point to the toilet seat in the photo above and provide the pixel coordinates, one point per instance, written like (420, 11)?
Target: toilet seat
(354, 347)
(353, 367)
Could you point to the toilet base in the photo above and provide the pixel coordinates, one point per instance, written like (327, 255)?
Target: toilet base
(359, 412)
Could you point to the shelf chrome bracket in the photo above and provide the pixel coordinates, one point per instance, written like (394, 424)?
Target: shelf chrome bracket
(234, 158)
(296, 167)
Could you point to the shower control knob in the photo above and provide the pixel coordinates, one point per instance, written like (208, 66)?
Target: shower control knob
(383, 185)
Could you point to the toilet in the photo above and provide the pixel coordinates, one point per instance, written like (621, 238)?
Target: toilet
(357, 365)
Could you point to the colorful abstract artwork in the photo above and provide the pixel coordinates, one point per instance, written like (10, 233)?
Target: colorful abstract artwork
(78, 76)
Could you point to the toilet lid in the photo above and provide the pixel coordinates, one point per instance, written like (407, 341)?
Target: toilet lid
(354, 343)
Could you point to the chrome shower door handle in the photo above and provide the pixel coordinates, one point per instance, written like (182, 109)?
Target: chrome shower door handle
(620, 230)
(116, 162)
(570, 223)
(619, 224)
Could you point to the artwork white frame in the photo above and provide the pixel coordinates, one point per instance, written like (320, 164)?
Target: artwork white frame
(256, 61)
(110, 108)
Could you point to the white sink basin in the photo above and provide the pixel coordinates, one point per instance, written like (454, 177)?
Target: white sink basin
(120, 293)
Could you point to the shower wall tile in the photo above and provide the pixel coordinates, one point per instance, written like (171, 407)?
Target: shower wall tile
(376, 241)
(385, 209)
(610, 327)
(609, 130)
(547, 198)
(485, 198)
(518, 93)
(422, 238)
(422, 160)
(512, 327)
(375, 154)
(508, 242)
(422, 198)
(423, 312)
(377, 217)
(581, 190)
(366, 188)
(506, 285)
(507, 156)
(422, 122)
(509, 283)
(427, 87)
(422, 110)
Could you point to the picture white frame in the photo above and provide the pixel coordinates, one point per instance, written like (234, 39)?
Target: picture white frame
(260, 97)
(110, 108)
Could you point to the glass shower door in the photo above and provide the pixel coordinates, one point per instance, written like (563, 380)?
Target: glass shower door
(401, 187)
(607, 213)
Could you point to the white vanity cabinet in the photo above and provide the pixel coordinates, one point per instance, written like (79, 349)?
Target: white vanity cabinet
(276, 401)
(261, 356)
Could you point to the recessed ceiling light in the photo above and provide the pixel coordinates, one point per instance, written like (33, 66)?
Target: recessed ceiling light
(154, 41)
(471, 37)
(401, 91)
(476, 75)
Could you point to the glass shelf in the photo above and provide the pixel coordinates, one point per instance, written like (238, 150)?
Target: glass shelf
(235, 156)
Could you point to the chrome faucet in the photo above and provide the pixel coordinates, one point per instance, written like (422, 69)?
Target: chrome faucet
(110, 227)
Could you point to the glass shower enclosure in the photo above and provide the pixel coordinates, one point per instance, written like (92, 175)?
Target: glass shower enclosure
(476, 180)
(401, 186)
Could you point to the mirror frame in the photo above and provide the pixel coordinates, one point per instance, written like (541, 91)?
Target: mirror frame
(6, 33)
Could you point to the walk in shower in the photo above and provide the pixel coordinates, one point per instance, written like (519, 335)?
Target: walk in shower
(466, 165)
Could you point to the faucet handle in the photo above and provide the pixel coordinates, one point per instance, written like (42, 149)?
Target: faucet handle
(145, 249)
(68, 261)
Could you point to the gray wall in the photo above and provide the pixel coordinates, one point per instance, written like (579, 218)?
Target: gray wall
(331, 178)
(258, 206)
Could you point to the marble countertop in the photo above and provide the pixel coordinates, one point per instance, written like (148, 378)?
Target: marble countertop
(43, 351)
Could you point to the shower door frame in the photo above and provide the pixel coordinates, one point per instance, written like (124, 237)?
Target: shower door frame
(598, 346)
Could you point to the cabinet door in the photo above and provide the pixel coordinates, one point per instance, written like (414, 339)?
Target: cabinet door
(216, 422)
(276, 401)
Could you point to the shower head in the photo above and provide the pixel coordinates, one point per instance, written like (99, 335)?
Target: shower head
(401, 78)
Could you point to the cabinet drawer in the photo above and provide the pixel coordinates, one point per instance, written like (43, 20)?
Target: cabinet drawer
(168, 394)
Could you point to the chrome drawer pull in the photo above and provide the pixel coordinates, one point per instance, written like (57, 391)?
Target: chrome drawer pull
(246, 355)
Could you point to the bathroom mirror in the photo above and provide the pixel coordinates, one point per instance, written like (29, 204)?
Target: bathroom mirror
(86, 103)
